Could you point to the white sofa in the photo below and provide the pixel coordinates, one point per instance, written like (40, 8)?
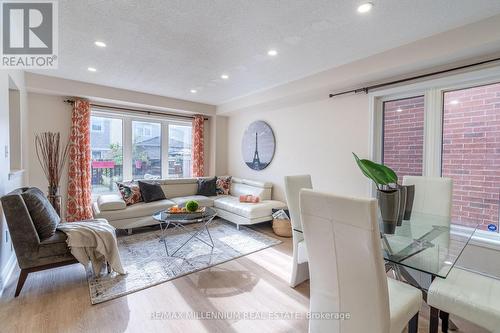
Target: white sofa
(178, 191)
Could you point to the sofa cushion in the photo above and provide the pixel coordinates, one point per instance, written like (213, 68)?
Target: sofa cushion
(179, 187)
(202, 200)
(140, 209)
(151, 191)
(43, 215)
(130, 191)
(55, 245)
(207, 187)
(244, 187)
(111, 202)
(248, 210)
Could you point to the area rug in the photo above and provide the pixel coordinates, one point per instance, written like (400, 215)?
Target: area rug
(147, 264)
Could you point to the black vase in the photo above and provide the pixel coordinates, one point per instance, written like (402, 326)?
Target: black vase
(388, 202)
(402, 204)
(410, 195)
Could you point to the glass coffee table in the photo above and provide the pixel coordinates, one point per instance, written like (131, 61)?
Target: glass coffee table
(165, 219)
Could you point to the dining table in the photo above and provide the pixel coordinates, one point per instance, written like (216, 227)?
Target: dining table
(426, 247)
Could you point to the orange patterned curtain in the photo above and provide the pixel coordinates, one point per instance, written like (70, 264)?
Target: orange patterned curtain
(79, 206)
(198, 146)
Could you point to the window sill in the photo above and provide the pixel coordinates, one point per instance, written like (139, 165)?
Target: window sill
(18, 173)
(482, 238)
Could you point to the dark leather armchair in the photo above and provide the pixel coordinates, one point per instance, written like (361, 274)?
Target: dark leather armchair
(32, 253)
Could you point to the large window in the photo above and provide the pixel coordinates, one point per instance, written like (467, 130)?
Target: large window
(127, 147)
(447, 127)
(471, 152)
(403, 141)
(179, 151)
(146, 149)
(106, 142)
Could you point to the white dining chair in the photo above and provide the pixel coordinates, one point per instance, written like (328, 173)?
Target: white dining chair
(293, 185)
(433, 195)
(467, 294)
(433, 199)
(347, 269)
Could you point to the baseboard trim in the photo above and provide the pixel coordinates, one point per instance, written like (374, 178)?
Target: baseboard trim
(7, 272)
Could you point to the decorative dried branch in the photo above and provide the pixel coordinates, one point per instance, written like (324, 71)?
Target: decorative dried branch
(51, 157)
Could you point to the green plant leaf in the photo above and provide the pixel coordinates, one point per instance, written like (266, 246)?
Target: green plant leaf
(380, 174)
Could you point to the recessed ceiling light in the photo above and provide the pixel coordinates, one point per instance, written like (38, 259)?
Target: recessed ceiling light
(193, 91)
(272, 53)
(454, 102)
(365, 8)
(91, 69)
(100, 44)
(224, 76)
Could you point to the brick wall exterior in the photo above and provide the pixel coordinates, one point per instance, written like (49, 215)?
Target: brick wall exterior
(404, 135)
(471, 148)
(471, 153)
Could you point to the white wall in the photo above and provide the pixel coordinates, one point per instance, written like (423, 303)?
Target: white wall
(9, 181)
(316, 138)
(316, 135)
(47, 113)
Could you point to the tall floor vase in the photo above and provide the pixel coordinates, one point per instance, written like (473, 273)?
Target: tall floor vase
(55, 199)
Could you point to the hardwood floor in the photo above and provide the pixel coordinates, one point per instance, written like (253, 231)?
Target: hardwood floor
(58, 300)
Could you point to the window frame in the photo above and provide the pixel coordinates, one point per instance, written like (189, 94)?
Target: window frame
(127, 136)
(385, 99)
(433, 92)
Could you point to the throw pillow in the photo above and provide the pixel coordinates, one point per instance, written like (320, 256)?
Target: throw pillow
(207, 187)
(130, 191)
(43, 215)
(151, 191)
(223, 185)
(248, 198)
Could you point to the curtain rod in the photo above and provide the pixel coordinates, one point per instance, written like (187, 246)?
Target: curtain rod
(390, 83)
(70, 101)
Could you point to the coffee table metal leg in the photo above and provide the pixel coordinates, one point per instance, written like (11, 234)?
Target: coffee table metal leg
(164, 236)
(196, 235)
(209, 235)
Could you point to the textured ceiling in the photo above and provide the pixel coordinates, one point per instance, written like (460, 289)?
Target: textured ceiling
(169, 47)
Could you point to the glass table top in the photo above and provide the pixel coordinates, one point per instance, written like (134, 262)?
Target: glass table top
(426, 243)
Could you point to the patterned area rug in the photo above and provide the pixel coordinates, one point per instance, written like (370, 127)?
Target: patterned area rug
(147, 264)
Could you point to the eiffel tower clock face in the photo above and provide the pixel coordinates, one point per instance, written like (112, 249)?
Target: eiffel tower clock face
(258, 145)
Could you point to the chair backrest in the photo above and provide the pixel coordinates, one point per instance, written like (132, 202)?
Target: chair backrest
(345, 263)
(433, 195)
(293, 185)
(22, 230)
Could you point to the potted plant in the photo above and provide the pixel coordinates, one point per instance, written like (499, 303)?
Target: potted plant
(391, 196)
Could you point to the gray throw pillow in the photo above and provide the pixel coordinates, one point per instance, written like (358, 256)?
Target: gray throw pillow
(207, 187)
(151, 191)
(43, 215)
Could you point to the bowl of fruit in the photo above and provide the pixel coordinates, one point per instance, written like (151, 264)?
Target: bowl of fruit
(190, 210)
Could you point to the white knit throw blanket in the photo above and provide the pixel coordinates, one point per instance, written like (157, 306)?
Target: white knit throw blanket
(93, 241)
